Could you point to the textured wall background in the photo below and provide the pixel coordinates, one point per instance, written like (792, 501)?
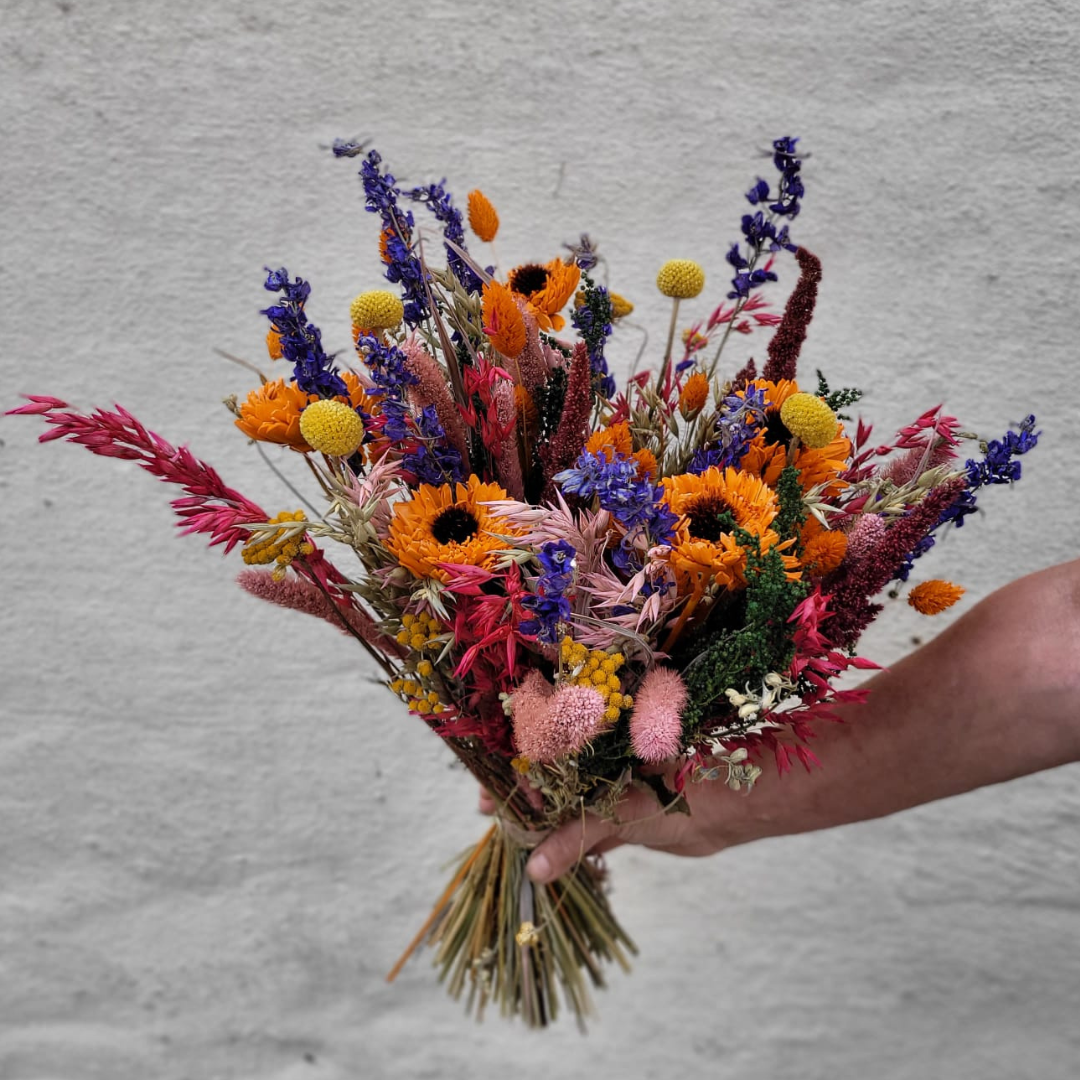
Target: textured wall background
(215, 834)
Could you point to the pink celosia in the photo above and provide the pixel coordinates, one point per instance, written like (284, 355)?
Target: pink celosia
(549, 723)
(656, 722)
(865, 533)
(507, 460)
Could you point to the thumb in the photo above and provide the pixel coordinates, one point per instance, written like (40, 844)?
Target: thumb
(566, 847)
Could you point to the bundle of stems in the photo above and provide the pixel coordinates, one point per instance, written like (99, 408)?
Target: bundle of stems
(497, 936)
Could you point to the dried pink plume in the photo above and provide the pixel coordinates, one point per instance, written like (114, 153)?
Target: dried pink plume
(301, 595)
(431, 389)
(908, 466)
(656, 722)
(549, 723)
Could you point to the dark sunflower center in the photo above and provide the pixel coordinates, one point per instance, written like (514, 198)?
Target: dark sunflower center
(454, 525)
(709, 516)
(529, 279)
(775, 429)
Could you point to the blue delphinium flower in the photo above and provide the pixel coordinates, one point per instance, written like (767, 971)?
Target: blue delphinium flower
(759, 230)
(301, 341)
(634, 503)
(739, 419)
(403, 267)
(438, 200)
(549, 605)
(434, 461)
(392, 378)
(592, 320)
(998, 466)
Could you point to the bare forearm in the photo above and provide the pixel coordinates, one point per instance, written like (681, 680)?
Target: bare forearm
(995, 696)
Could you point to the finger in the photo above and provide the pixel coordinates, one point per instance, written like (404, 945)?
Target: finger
(607, 844)
(566, 846)
(487, 803)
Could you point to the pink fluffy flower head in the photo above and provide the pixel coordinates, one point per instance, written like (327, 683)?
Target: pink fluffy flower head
(549, 723)
(656, 722)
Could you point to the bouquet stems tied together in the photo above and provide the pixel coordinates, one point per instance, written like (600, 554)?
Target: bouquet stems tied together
(577, 587)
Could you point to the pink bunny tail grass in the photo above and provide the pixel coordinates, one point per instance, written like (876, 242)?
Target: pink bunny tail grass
(431, 389)
(301, 595)
(508, 461)
(550, 724)
(211, 506)
(656, 722)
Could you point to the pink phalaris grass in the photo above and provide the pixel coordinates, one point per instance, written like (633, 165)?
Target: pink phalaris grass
(562, 449)
(656, 722)
(532, 367)
(852, 585)
(549, 725)
(916, 461)
(210, 507)
(791, 333)
(431, 389)
(301, 595)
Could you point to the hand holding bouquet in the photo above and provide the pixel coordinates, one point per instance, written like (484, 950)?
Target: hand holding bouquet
(577, 587)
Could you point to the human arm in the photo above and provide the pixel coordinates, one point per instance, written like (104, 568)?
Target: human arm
(995, 696)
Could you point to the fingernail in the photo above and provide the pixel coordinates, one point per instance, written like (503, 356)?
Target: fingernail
(538, 868)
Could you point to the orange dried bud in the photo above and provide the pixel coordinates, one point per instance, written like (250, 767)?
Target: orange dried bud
(483, 220)
(611, 440)
(503, 322)
(695, 393)
(273, 344)
(824, 552)
(932, 597)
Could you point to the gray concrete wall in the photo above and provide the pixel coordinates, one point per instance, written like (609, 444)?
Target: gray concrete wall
(215, 835)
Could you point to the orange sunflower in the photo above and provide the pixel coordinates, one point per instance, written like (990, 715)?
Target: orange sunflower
(704, 549)
(547, 289)
(767, 453)
(616, 439)
(271, 412)
(448, 524)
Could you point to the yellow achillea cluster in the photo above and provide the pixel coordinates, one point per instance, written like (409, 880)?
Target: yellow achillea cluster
(278, 547)
(419, 632)
(598, 670)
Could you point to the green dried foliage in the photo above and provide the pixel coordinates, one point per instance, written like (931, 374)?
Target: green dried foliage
(737, 657)
(792, 514)
(837, 399)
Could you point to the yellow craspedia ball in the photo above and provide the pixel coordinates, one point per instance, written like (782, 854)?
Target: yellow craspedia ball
(331, 427)
(810, 418)
(378, 309)
(681, 279)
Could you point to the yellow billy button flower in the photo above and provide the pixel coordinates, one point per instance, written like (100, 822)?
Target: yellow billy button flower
(378, 309)
(331, 427)
(681, 279)
(808, 417)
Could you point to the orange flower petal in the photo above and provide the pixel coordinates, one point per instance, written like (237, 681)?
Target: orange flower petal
(503, 321)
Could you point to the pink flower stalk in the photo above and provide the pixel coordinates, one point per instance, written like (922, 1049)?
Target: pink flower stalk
(791, 333)
(916, 461)
(562, 449)
(549, 723)
(531, 368)
(656, 722)
(508, 460)
(431, 389)
(211, 506)
(865, 533)
(303, 596)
